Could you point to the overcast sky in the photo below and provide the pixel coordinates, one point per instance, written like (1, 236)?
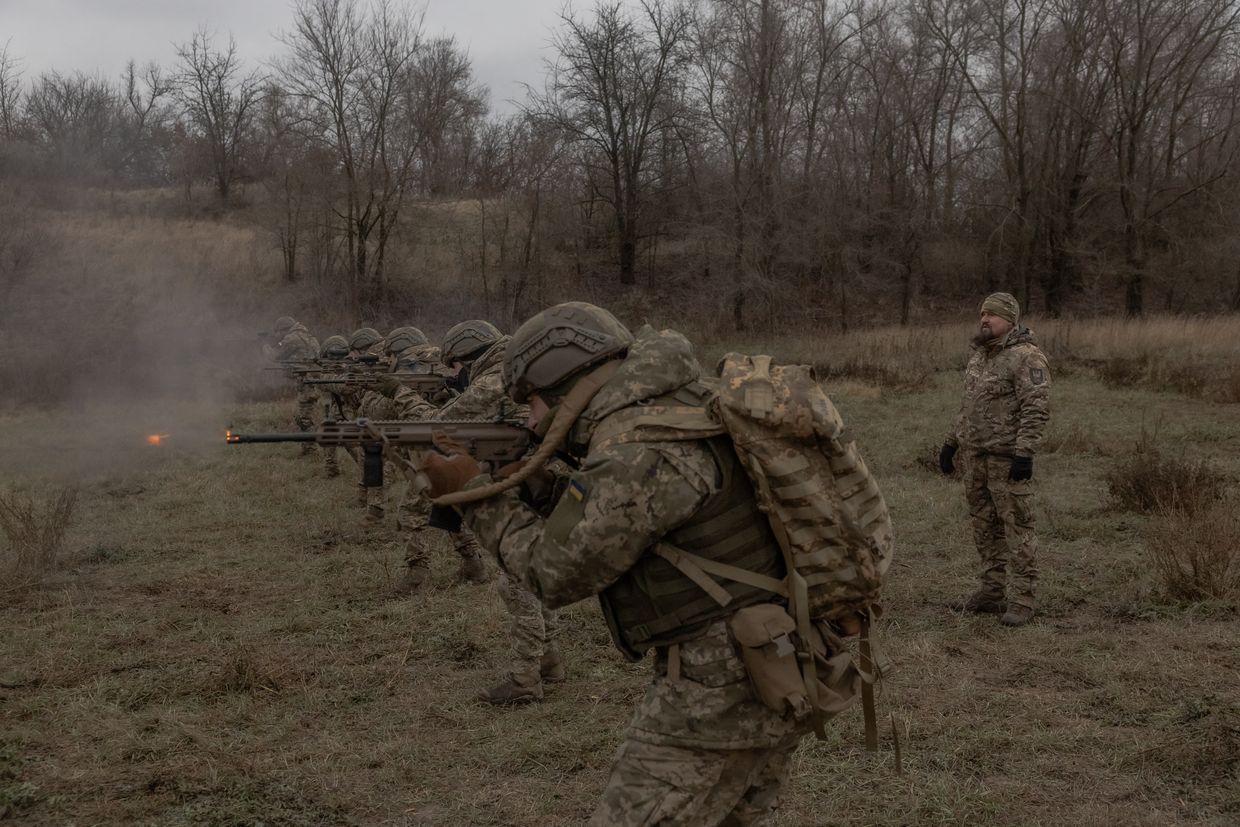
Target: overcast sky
(506, 39)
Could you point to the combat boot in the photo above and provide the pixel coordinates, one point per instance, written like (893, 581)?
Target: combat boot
(1017, 615)
(551, 666)
(416, 579)
(473, 569)
(516, 689)
(981, 603)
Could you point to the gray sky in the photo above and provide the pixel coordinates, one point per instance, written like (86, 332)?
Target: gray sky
(506, 39)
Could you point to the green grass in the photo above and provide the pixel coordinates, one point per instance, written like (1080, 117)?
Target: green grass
(221, 646)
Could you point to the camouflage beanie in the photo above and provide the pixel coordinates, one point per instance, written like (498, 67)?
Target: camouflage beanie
(1003, 305)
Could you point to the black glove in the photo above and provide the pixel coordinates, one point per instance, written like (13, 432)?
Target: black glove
(1022, 469)
(947, 458)
(445, 517)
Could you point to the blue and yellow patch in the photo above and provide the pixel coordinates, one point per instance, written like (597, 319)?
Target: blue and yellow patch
(576, 490)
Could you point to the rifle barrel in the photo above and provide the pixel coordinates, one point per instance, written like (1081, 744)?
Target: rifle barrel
(304, 436)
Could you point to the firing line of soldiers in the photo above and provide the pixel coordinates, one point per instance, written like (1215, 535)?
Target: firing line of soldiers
(709, 743)
(468, 364)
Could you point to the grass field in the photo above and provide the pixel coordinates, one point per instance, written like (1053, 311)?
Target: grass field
(219, 645)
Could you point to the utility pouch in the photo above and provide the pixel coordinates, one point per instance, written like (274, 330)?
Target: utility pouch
(765, 634)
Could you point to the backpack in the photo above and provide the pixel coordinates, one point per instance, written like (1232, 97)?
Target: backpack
(828, 517)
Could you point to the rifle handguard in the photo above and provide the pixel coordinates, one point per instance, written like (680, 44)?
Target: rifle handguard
(574, 404)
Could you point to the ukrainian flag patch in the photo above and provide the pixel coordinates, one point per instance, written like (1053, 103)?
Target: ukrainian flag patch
(576, 490)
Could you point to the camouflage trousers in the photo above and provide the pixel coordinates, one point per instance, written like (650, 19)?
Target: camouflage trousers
(304, 417)
(413, 516)
(1003, 529)
(683, 787)
(532, 627)
(373, 500)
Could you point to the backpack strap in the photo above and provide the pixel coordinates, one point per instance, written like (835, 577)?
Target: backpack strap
(867, 687)
(698, 569)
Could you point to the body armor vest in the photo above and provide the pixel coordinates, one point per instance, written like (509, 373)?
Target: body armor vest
(655, 604)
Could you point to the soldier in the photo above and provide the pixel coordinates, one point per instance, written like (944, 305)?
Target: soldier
(999, 429)
(366, 342)
(702, 748)
(335, 350)
(464, 343)
(473, 351)
(294, 343)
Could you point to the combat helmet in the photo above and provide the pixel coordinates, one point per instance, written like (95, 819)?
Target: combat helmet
(334, 347)
(464, 341)
(283, 325)
(364, 338)
(402, 338)
(561, 341)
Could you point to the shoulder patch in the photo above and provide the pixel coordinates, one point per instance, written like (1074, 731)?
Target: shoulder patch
(577, 490)
(1037, 376)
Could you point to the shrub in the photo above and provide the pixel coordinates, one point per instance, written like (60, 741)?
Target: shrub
(1123, 371)
(1074, 439)
(1149, 481)
(35, 528)
(1197, 554)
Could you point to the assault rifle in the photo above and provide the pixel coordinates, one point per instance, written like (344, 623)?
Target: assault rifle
(499, 442)
(421, 382)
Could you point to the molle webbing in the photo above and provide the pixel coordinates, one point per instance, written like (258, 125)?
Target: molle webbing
(657, 603)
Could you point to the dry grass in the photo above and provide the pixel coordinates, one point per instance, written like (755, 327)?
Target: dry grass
(34, 526)
(1149, 480)
(225, 649)
(1197, 553)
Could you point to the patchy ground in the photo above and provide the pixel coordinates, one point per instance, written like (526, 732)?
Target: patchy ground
(220, 646)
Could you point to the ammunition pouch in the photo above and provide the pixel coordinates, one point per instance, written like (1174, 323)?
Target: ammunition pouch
(776, 659)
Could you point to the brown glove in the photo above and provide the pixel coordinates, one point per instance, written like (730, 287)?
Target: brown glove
(449, 474)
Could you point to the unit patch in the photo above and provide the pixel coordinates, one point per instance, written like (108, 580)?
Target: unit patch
(1037, 376)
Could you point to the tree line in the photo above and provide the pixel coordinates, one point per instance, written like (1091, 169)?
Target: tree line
(785, 155)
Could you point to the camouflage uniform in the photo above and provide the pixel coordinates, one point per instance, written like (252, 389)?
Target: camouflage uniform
(1003, 416)
(298, 345)
(363, 403)
(701, 747)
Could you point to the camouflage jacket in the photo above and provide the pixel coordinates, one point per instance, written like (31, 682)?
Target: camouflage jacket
(624, 498)
(1006, 398)
(485, 397)
(296, 344)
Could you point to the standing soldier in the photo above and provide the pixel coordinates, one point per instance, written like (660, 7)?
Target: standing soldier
(702, 748)
(999, 429)
(332, 355)
(366, 342)
(474, 353)
(294, 343)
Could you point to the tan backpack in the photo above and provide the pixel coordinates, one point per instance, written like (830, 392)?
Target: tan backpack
(827, 514)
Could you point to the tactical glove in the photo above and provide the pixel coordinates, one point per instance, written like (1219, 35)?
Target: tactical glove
(1022, 469)
(445, 517)
(947, 458)
(449, 474)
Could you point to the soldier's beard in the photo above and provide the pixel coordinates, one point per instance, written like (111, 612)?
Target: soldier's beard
(984, 336)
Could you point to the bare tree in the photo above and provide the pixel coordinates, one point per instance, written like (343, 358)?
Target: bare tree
(72, 120)
(10, 94)
(1172, 134)
(146, 92)
(612, 89)
(351, 64)
(218, 98)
